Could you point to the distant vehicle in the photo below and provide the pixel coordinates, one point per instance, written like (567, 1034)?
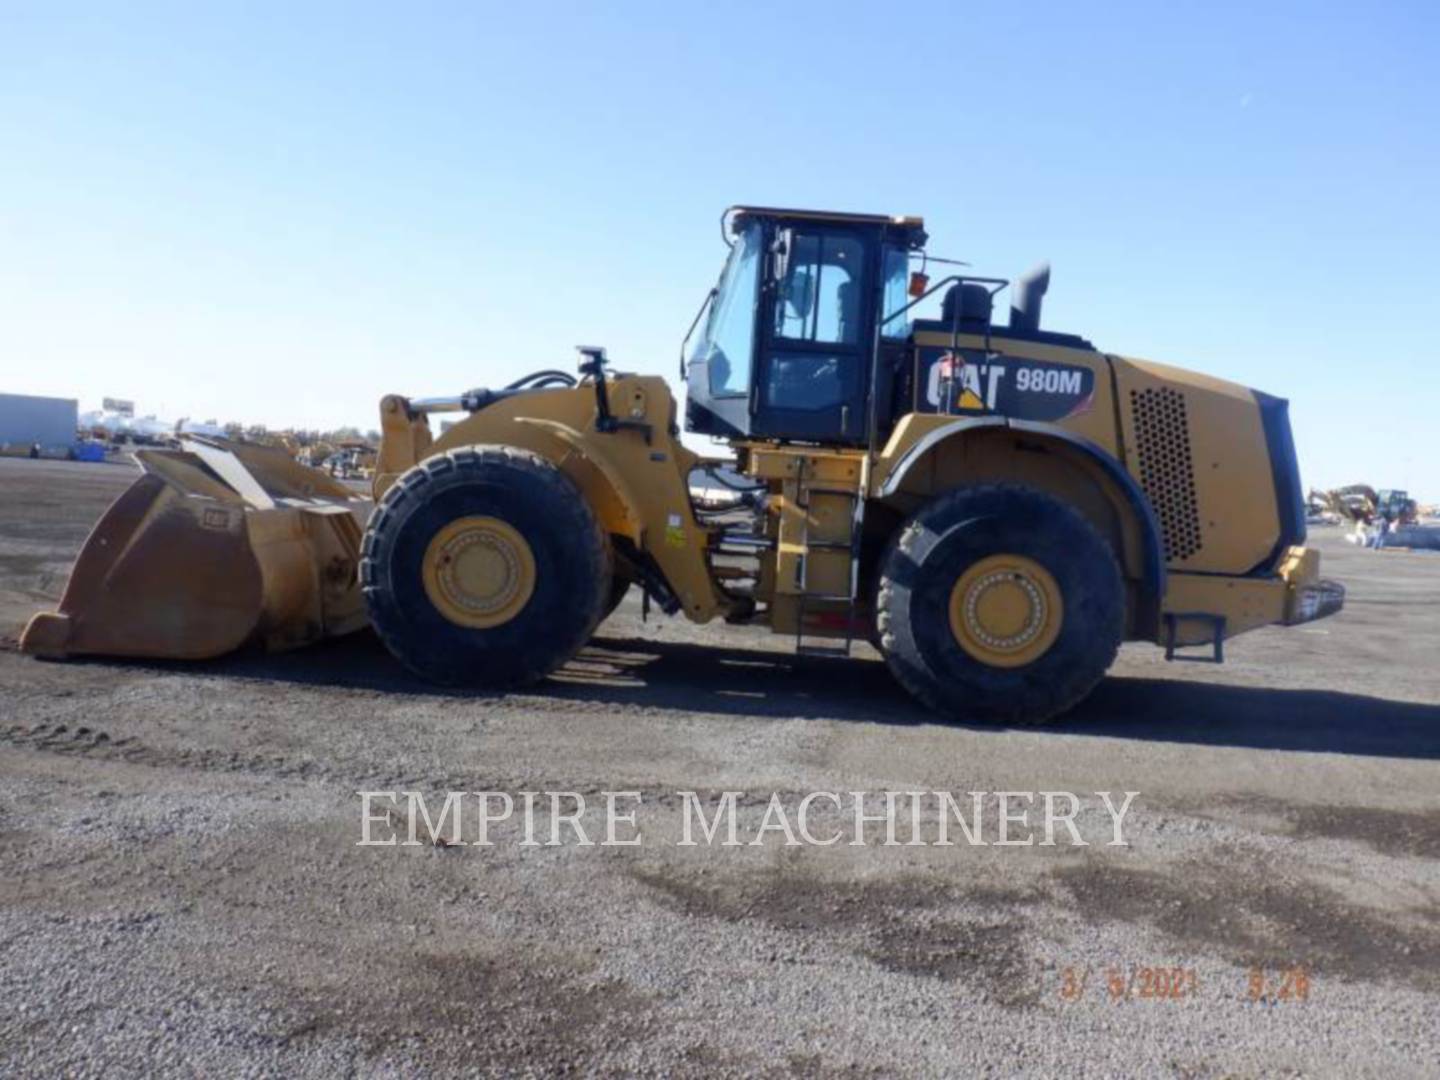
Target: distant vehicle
(1396, 506)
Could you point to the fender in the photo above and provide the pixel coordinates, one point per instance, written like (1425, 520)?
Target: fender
(639, 494)
(407, 442)
(637, 487)
(620, 512)
(1153, 558)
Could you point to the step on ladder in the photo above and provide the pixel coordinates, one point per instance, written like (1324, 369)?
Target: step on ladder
(851, 546)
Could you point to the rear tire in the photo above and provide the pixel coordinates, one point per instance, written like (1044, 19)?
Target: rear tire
(936, 572)
(553, 580)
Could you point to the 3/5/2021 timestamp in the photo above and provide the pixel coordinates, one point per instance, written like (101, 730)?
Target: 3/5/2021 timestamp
(1176, 982)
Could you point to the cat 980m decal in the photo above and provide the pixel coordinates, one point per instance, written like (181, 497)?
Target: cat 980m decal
(972, 381)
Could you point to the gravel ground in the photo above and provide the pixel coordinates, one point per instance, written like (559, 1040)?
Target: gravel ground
(183, 893)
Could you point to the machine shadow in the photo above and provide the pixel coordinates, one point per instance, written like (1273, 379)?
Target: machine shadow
(1259, 718)
(746, 682)
(622, 671)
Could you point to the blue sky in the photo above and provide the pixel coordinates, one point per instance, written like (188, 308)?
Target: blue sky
(278, 212)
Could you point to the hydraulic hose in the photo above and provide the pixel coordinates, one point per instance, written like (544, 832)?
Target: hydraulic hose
(539, 379)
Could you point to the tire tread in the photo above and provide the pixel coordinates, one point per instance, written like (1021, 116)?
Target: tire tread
(1045, 701)
(456, 468)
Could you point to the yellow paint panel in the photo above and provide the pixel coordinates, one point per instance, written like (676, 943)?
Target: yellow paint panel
(1244, 602)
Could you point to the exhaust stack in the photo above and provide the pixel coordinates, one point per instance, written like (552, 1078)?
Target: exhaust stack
(1027, 296)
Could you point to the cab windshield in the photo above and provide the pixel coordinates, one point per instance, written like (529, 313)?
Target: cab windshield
(727, 345)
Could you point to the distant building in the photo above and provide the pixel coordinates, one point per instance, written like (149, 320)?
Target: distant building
(26, 420)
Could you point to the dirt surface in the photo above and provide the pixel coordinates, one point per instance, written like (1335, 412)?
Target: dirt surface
(182, 890)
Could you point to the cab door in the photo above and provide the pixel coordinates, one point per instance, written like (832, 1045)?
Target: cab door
(815, 335)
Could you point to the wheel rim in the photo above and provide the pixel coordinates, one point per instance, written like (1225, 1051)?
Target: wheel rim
(1006, 610)
(479, 572)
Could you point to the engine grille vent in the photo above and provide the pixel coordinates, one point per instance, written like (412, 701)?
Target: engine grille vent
(1162, 442)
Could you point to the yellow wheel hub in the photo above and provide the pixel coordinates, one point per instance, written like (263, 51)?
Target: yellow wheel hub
(1006, 610)
(479, 572)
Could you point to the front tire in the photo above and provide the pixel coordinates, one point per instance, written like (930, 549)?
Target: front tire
(484, 566)
(1000, 604)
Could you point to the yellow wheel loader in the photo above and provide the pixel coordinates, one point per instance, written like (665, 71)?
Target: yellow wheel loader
(996, 507)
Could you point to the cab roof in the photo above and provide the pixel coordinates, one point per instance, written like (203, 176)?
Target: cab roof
(912, 226)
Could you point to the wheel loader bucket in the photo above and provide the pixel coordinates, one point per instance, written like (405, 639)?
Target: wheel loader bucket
(215, 545)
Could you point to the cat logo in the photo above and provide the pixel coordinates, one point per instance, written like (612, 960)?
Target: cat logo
(963, 384)
(971, 381)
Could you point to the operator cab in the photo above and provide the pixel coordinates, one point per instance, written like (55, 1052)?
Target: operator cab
(789, 343)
